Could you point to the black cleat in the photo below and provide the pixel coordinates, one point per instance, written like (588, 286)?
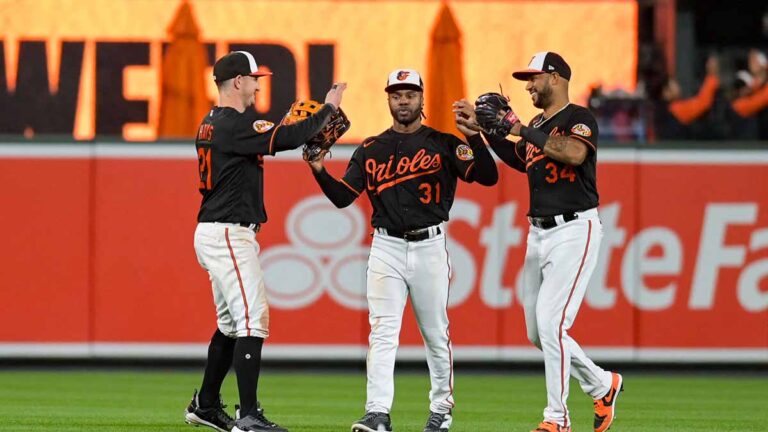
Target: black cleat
(214, 417)
(257, 423)
(373, 422)
(438, 422)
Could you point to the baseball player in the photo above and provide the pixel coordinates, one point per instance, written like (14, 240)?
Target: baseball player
(409, 173)
(558, 152)
(231, 144)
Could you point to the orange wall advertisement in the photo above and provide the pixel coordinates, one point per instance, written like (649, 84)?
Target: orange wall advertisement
(94, 67)
(98, 258)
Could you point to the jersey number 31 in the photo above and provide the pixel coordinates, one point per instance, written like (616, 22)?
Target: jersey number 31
(429, 196)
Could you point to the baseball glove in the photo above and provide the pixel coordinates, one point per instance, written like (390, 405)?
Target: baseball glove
(337, 126)
(494, 114)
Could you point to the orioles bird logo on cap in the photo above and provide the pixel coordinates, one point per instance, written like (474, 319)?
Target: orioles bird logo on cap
(402, 75)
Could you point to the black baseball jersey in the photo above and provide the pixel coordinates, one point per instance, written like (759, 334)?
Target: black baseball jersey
(556, 187)
(230, 149)
(410, 179)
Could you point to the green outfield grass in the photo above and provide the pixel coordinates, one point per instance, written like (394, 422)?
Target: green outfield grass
(154, 400)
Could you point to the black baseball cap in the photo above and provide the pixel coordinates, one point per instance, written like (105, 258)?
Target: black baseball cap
(236, 63)
(545, 62)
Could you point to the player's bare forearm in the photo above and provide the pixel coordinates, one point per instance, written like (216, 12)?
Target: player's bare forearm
(317, 164)
(566, 150)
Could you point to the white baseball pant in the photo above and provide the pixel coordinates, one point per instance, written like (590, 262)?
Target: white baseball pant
(397, 269)
(558, 265)
(230, 255)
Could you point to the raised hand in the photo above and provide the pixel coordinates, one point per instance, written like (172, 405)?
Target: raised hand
(713, 65)
(317, 164)
(466, 122)
(333, 96)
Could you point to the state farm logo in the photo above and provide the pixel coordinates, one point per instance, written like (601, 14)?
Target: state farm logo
(325, 254)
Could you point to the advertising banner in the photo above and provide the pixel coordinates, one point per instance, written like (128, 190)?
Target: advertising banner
(98, 258)
(96, 67)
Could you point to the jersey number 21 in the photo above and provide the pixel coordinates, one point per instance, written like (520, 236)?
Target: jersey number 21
(204, 157)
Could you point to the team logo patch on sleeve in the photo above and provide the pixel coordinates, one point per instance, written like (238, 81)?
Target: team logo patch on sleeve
(582, 129)
(464, 152)
(262, 126)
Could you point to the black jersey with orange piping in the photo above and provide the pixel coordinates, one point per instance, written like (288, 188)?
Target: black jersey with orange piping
(410, 178)
(230, 148)
(556, 187)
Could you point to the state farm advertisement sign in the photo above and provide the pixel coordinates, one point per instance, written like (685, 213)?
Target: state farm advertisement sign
(683, 264)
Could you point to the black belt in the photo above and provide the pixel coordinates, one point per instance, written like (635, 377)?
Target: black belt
(413, 235)
(547, 222)
(252, 226)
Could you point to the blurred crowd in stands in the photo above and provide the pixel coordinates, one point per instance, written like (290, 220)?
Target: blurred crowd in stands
(731, 102)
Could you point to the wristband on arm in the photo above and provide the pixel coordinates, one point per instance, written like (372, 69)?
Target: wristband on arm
(534, 136)
(510, 118)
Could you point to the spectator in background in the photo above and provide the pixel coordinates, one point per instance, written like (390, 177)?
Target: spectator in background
(757, 64)
(742, 110)
(672, 115)
(758, 68)
(742, 84)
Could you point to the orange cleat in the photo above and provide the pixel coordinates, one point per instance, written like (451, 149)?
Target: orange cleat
(605, 407)
(548, 426)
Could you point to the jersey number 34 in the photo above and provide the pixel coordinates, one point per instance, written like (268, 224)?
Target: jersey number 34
(566, 173)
